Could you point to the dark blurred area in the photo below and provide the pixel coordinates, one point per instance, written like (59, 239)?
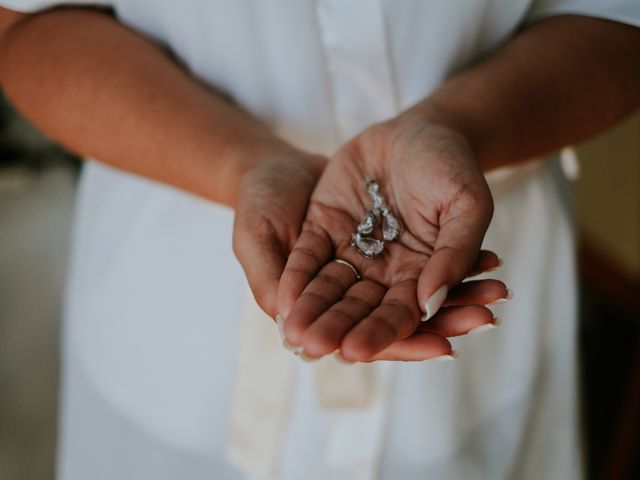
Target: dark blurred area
(22, 146)
(37, 182)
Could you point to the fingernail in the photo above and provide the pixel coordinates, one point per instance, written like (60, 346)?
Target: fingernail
(306, 357)
(500, 264)
(446, 358)
(434, 302)
(285, 343)
(341, 359)
(482, 328)
(503, 299)
(297, 350)
(280, 324)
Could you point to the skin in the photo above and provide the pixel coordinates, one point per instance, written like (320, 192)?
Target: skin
(444, 221)
(140, 112)
(555, 83)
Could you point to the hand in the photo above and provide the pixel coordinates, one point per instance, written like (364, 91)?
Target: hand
(272, 202)
(429, 177)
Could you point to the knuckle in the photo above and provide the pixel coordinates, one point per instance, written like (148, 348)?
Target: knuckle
(315, 299)
(304, 252)
(359, 303)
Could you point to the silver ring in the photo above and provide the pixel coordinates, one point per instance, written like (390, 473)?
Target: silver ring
(351, 267)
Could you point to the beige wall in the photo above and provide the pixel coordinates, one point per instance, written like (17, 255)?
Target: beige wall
(608, 194)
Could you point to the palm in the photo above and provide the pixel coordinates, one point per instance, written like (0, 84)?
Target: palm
(269, 215)
(426, 188)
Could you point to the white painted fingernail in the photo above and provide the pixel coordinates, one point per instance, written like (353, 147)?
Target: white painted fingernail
(291, 347)
(446, 358)
(433, 303)
(499, 265)
(482, 328)
(503, 299)
(497, 302)
(343, 360)
(306, 357)
(280, 324)
(285, 342)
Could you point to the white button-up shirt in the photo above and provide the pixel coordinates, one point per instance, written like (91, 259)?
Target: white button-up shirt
(155, 297)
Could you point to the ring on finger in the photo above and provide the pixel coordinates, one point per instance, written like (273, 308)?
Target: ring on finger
(347, 264)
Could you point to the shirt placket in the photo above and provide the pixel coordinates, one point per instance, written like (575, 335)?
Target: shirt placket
(356, 51)
(354, 40)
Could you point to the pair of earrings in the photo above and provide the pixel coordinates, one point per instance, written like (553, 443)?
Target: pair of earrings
(365, 244)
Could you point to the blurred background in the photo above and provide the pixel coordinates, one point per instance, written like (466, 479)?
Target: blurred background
(37, 185)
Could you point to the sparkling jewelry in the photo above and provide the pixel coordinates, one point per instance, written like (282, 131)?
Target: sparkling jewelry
(366, 245)
(347, 264)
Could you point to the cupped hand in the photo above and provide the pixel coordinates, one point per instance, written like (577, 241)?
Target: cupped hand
(272, 203)
(432, 183)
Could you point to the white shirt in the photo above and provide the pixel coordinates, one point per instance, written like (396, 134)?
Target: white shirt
(155, 295)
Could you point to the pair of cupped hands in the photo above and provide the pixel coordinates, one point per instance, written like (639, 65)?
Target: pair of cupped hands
(297, 212)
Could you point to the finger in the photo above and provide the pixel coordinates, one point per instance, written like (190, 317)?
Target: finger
(487, 261)
(417, 347)
(397, 317)
(455, 253)
(312, 250)
(262, 258)
(455, 321)
(326, 333)
(429, 340)
(478, 292)
(325, 289)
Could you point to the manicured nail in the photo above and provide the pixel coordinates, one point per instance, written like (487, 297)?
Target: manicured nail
(341, 359)
(482, 328)
(500, 264)
(288, 345)
(497, 301)
(446, 358)
(280, 324)
(306, 357)
(297, 350)
(434, 302)
(503, 299)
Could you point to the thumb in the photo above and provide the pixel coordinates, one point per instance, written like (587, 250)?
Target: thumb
(456, 250)
(262, 256)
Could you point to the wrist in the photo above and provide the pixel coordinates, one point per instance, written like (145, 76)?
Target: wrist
(242, 158)
(434, 110)
(434, 120)
(258, 159)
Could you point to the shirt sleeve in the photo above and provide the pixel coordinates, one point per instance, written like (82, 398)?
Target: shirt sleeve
(623, 11)
(28, 6)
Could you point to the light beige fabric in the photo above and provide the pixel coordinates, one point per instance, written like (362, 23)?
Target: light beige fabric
(263, 389)
(262, 393)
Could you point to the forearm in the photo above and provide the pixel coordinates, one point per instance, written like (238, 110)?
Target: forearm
(106, 92)
(554, 84)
